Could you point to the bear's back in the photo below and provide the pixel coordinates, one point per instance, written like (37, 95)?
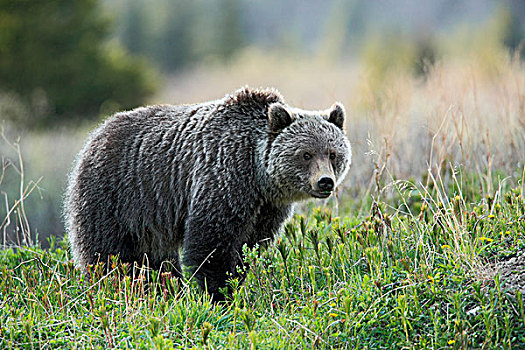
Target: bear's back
(140, 170)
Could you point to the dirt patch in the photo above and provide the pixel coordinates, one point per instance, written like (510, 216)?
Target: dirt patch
(512, 272)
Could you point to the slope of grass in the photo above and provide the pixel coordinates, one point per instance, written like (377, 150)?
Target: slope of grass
(419, 276)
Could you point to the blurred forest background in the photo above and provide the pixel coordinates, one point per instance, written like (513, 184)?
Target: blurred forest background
(406, 70)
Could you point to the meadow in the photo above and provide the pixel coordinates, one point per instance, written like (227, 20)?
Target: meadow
(423, 246)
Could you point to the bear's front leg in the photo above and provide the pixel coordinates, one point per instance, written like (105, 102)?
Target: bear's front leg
(212, 252)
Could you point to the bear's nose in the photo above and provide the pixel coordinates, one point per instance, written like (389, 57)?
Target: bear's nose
(325, 183)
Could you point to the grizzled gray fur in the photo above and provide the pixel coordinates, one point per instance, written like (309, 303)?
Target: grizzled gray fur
(205, 178)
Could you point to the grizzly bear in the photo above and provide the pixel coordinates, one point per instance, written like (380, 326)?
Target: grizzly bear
(201, 179)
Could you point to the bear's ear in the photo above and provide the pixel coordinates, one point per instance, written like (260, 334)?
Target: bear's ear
(337, 115)
(278, 117)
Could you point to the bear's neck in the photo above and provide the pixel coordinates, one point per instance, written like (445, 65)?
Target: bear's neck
(270, 188)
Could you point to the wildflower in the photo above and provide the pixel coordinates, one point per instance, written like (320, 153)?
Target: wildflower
(332, 315)
(483, 238)
(451, 341)
(491, 216)
(503, 233)
(445, 246)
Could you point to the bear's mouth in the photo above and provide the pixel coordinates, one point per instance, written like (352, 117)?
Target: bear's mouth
(321, 194)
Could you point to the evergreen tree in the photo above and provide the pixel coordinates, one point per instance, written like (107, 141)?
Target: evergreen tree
(53, 53)
(175, 45)
(135, 27)
(230, 30)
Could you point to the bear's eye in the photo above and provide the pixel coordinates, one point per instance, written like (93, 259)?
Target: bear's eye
(332, 155)
(307, 156)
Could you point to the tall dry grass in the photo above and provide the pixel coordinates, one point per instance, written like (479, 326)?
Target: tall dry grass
(33, 173)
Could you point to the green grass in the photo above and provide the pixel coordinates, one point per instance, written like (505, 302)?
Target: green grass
(419, 277)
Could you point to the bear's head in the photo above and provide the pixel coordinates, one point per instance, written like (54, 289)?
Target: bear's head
(309, 154)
